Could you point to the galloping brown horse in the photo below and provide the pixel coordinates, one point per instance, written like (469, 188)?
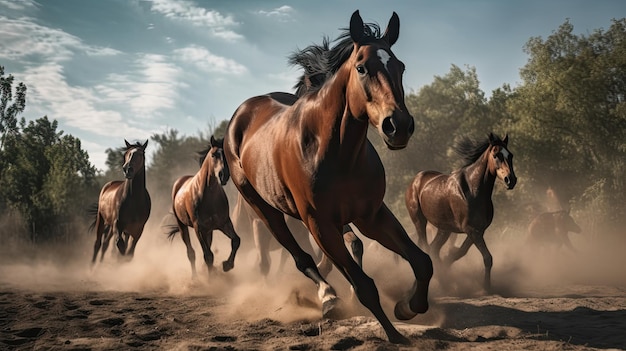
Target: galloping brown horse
(124, 205)
(551, 228)
(461, 202)
(199, 201)
(309, 157)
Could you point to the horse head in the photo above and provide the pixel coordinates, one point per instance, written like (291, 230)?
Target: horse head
(218, 160)
(134, 159)
(566, 222)
(501, 160)
(375, 90)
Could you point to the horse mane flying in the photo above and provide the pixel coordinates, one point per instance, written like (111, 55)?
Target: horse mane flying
(320, 61)
(470, 149)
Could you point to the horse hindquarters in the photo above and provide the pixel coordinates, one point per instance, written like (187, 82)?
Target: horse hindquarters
(413, 206)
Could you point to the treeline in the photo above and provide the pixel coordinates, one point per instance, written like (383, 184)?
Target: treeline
(566, 123)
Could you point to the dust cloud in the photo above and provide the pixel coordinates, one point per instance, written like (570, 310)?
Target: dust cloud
(161, 266)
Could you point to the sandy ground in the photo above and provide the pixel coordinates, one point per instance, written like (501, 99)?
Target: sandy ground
(541, 301)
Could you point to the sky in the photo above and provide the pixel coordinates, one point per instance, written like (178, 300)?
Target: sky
(110, 70)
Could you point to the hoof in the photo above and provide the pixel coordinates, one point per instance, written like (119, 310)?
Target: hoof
(227, 266)
(399, 339)
(330, 309)
(403, 311)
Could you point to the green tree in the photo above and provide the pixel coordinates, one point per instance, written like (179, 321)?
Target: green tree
(47, 177)
(571, 114)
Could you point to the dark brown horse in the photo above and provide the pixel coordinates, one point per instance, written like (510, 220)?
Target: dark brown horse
(309, 157)
(461, 202)
(199, 201)
(124, 205)
(246, 221)
(550, 229)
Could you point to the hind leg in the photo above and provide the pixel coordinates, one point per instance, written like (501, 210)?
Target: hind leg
(262, 241)
(234, 245)
(356, 245)
(438, 242)
(100, 228)
(385, 228)
(191, 253)
(108, 234)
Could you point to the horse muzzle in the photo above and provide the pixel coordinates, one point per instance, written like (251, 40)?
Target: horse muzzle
(510, 181)
(396, 132)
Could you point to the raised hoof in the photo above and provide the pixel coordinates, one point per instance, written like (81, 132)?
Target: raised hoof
(331, 310)
(403, 311)
(227, 266)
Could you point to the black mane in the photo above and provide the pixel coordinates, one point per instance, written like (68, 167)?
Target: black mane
(320, 61)
(470, 149)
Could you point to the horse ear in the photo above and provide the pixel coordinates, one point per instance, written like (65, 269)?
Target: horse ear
(393, 29)
(145, 144)
(356, 27)
(127, 144)
(506, 139)
(213, 141)
(491, 138)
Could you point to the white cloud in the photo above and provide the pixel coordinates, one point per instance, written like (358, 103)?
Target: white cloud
(209, 62)
(153, 86)
(22, 39)
(219, 25)
(282, 13)
(18, 5)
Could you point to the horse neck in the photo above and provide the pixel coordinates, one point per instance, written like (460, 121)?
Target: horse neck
(345, 134)
(480, 178)
(205, 177)
(136, 186)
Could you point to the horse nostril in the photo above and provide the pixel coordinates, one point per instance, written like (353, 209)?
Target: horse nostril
(389, 127)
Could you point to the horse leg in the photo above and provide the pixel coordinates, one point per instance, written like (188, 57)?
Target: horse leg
(479, 241)
(191, 253)
(262, 244)
(385, 228)
(108, 234)
(333, 246)
(438, 242)
(459, 252)
(99, 231)
(131, 250)
(229, 230)
(356, 245)
(206, 239)
(325, 266)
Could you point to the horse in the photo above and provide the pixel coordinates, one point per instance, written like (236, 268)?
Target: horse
(309, 157)
(124, 205)
(550, 229)
(199, 201)
(461, 201)
(246, 220)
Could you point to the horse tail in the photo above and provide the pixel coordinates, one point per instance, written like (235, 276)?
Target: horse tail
(92, 211)
(170, 228)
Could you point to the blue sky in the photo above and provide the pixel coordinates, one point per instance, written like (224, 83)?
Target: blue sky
(111, 70)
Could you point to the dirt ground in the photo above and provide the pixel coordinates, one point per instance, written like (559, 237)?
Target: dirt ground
(549, 300)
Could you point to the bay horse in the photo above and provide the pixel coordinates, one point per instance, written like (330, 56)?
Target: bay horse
(309, 157)
(550, 229)
(124, 205)
(245, 220)
(461, 201)
(199, 201)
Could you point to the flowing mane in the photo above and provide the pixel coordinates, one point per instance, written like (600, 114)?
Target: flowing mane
(470, 149)
(321, 61)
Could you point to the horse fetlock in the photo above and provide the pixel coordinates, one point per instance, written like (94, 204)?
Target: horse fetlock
(227, 266)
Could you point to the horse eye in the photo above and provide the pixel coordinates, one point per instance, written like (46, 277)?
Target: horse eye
(361, 69)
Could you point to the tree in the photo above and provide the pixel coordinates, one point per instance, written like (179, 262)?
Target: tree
(572, 114)
(48, 178)
(10, 105)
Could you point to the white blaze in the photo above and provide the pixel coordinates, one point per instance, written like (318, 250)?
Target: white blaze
(384, 57)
